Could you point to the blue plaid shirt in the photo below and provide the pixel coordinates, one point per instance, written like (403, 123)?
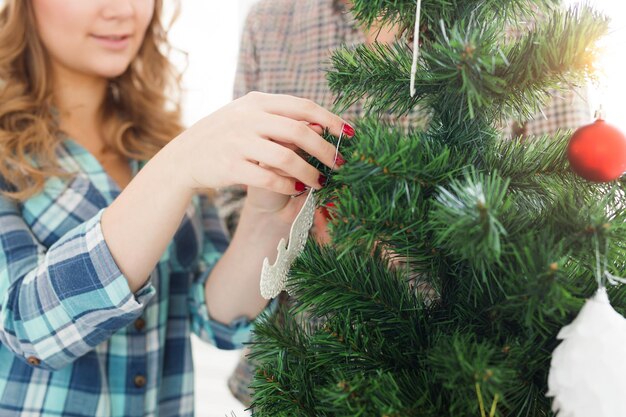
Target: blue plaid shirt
(74, 340)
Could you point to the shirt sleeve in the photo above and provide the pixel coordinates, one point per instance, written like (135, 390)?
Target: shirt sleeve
(215, 242)
(58, 304)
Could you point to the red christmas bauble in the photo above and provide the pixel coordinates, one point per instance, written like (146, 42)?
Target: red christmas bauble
(597, 152)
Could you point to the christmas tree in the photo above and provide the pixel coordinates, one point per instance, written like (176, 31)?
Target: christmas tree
(457, 255)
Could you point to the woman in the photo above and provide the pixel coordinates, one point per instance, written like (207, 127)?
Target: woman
(108, 255)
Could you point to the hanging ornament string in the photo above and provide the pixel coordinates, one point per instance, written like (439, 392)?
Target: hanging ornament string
(599, 114)
(416, 47)
(602, 271)
(274, 277)
(336, 152)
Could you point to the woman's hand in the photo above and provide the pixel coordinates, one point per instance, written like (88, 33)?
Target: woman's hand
(255, 141)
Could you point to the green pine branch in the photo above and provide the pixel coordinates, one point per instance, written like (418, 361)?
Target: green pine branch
(466, 218)
(402, 12)
(282, 383)
(558, 53)
(468, 67)
(395, 172)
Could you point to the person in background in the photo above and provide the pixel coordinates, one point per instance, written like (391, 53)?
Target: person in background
(110, 253)
(285, 49)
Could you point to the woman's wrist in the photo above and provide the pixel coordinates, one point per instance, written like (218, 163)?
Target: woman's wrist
(264, 222)
(172, 160)
(237, 274)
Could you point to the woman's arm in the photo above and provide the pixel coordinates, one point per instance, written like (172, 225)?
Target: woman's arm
(139, 225)
(57, 303)
(249, 142)
(232, 289)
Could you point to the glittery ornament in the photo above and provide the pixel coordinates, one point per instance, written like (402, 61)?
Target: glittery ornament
(274, 277)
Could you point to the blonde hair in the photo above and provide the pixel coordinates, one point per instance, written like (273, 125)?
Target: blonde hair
(142, 118)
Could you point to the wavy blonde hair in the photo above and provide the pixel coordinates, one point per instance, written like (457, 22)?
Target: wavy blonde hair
(141, 104)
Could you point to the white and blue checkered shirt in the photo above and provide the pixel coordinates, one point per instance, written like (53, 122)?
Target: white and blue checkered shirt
(74, 340)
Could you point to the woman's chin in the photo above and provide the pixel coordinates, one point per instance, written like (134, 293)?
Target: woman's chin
(112, 72)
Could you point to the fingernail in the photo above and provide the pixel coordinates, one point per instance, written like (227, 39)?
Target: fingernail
(316, 124)
(300, 186)
(326, 212)
(339, 161)
(322, 180)
(348, 130)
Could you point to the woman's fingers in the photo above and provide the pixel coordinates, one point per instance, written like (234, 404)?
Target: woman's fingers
(256, 176)
(285, 160)
(288, 131)
(302, 110)
(317, 128)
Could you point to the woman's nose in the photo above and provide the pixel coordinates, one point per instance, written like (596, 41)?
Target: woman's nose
(118, 9)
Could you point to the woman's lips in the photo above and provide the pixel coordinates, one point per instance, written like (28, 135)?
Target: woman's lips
(113, 42)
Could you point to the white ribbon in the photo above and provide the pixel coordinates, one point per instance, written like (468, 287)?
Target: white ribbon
(416, 46)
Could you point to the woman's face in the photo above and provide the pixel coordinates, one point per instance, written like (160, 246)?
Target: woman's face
(92, 37)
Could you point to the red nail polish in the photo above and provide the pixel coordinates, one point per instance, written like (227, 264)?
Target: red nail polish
(322, 180)
(348, 130)
(316, 124)
(326, 212)
(339, 161)
(300, 186)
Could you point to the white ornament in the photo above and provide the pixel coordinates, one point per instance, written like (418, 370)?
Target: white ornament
(588, 370)
(274, 277)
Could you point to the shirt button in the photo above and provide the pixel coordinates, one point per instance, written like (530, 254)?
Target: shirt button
(140, 381)
(140, 324)
(34, 361)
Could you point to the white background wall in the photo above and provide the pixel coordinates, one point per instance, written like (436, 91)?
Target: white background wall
(610, 88)
(209, 32)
